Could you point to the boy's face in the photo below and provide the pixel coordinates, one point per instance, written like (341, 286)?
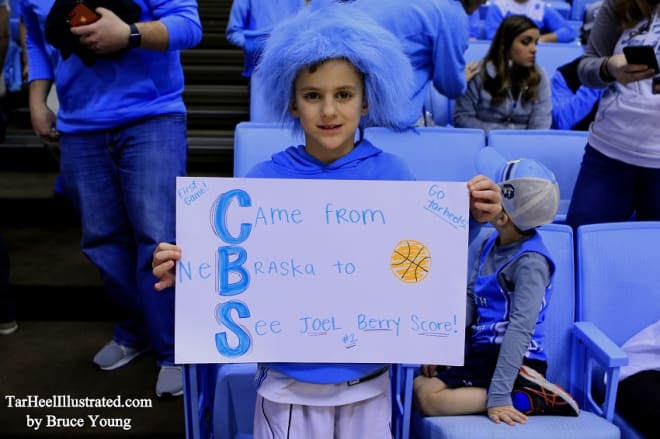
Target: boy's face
(329, 103)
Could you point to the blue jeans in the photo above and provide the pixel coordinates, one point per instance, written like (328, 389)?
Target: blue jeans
(608, 190)
(123, 183)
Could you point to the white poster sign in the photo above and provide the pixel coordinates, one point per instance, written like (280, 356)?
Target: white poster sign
(279, 270)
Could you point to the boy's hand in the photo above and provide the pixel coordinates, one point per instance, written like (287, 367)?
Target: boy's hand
(485, 198)
(429, 370)
(163, 262)
(507, 414)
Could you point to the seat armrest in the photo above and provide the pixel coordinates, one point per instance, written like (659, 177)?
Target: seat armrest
(591, 346)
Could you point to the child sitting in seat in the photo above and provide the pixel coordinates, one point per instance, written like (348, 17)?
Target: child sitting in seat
(508, 293)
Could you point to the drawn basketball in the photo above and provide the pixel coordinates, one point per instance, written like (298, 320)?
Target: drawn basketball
(410, 261)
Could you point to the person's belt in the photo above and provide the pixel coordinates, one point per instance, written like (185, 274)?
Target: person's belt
(371, 376)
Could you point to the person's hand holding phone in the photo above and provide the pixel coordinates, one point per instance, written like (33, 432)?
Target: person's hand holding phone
(625, 73)
(106, 35)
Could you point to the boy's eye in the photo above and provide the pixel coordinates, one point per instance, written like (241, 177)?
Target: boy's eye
(344, 95)
(311, 96)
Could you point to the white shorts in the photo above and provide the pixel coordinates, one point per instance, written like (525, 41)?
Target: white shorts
(367, 419)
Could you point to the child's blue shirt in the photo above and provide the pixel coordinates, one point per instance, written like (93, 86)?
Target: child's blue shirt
(364, 162)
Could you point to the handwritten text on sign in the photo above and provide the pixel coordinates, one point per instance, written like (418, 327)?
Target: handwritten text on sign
(320, 271)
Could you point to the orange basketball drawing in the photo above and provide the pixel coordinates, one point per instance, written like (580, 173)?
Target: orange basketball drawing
(410, 261)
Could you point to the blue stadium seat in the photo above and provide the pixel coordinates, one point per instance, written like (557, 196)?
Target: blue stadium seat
(438, 106)
(255, 142)
(562, 356)
(235, 399)
(433, 153)
(613, 267)
(560, 150)
(553, 55)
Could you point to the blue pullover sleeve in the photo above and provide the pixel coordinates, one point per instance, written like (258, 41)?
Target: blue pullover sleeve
(448, 50)
(39, 66)
(181, 18)
(554, 22)
(239, 19)
(568, 108)
(494, 17)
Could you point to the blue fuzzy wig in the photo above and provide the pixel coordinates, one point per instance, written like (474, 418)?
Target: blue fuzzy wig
(337, 31)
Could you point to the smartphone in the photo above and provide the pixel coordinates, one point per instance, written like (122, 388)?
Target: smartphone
(642, 55)
(81, 14)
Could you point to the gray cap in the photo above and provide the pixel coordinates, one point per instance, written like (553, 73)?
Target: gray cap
(530, 193)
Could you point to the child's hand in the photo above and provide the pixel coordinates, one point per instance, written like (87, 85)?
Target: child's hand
(163, 262)
(507, 414)
(429, 370)
(485, 198)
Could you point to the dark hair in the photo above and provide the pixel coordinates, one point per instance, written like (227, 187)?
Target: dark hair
(525, 79)
(631, 12)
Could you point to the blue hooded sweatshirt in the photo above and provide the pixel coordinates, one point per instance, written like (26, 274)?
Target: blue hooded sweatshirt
(364, 162)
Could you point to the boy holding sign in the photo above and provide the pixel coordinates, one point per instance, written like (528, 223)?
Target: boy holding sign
(508, 294)
(332, 72)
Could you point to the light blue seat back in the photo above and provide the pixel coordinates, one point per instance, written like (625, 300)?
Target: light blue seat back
(616, 267)
(255, 142)
(438, 106)
(558, 238)
(235, 399)
(553, 55)
(560, 150)
(618, 282)
(433, 153)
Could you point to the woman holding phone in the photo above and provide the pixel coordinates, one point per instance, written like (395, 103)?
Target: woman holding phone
(620, 173)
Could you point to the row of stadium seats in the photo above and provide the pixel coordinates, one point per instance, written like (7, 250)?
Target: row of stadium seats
(437, 153)
(220, 398)
(586, 325)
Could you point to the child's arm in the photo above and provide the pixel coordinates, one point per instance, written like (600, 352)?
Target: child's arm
(530, 275)
(163, 263)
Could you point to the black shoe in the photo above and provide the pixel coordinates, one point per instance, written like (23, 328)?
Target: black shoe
(544, 397)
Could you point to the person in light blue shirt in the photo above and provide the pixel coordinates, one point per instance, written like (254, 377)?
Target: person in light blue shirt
(435, 35)
(250, 22)
(121, 124)
(552, 25)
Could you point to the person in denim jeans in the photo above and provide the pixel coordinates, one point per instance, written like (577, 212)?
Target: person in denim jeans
(122, 131)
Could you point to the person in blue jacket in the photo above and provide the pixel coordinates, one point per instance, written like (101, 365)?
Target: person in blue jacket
(331, 72)
(554, 29)
(435, 36)
(574, 105)
(508, 294)
(121, 124)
